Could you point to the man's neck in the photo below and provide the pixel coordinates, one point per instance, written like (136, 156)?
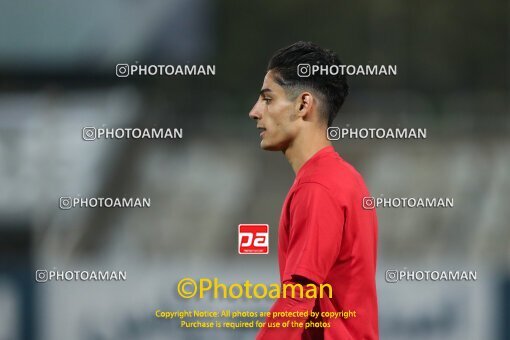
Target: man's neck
(303, 148)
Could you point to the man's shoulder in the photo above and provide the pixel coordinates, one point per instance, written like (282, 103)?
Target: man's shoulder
(335, 175)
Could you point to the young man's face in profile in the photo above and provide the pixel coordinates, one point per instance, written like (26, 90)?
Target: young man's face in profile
(276, 116)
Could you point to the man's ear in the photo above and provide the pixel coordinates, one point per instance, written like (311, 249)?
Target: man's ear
(304, 104)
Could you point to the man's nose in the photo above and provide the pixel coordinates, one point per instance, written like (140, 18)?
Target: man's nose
(254, 113)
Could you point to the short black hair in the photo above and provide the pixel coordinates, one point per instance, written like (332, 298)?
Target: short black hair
(333, 88)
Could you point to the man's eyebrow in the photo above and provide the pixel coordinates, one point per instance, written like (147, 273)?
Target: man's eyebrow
(263, 91)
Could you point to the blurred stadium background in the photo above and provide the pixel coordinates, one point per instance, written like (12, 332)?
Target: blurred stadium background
(57, 75)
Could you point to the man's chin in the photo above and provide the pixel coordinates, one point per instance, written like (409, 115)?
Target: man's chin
(269, 147)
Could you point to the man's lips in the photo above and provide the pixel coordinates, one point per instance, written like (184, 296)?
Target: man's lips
(263, 130)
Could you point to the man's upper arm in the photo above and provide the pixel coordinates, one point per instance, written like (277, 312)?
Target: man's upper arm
(315, 234)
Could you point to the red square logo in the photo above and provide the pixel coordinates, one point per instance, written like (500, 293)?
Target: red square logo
(253, 239)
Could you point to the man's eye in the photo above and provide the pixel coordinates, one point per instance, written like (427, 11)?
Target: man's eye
(267, 100)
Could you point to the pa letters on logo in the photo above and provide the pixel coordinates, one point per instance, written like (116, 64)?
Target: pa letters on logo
(253, 239)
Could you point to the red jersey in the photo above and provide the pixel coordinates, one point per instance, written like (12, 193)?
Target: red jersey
(326, 236)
